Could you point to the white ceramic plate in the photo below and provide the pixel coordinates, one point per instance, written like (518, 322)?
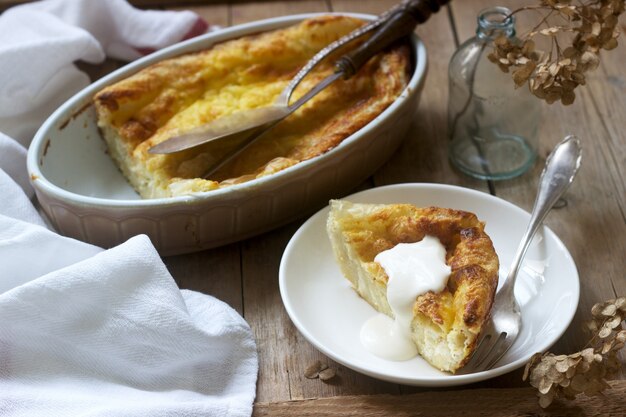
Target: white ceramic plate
(329, 313)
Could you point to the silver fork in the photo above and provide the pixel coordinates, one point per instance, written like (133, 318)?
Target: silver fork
(505, 324)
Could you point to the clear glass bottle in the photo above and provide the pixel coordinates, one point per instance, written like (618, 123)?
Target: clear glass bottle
(491, 124)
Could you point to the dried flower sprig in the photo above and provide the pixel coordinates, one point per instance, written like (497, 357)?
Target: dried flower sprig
(586, 371)
(553, 75)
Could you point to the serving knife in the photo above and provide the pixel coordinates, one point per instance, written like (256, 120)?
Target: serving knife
(398, 22)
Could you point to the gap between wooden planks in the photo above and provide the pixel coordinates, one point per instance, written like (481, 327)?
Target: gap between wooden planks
(593, 224)
(500, 402)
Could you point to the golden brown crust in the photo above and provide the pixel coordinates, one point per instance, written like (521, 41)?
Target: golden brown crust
(465, 303)
(178, 94)
(470, 254)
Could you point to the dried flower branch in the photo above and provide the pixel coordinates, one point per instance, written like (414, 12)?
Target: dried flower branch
(588, 26)
(586, 371)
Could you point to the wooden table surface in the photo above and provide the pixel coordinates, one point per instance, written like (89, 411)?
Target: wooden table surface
(592, 223)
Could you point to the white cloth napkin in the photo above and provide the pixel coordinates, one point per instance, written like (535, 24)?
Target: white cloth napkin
(40, 42)
(84, 331)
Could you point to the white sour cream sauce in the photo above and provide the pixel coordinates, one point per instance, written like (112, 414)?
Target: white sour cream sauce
(413, 269)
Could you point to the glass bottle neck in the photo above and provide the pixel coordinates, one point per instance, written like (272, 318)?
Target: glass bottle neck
(495, 21)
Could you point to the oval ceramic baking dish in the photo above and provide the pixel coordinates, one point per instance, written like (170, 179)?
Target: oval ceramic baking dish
(86, 197)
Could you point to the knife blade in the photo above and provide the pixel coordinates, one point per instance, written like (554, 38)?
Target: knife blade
(239, 122)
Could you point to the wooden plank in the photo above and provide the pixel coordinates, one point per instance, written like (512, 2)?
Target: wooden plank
(97, 71)
(216, 272)
(592, 224)
(242, 13)
(175, 3)
(511, 402)
(4, 4)
(607, 90)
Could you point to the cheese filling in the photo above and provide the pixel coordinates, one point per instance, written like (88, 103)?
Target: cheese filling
(413, 269)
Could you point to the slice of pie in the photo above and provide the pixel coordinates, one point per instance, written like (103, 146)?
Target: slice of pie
(446, 324)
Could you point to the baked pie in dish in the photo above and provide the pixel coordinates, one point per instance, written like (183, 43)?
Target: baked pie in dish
(444, 325)
(179, 94)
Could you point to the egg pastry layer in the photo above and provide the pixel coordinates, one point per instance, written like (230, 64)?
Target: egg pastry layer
(445, 325)
(179, 94)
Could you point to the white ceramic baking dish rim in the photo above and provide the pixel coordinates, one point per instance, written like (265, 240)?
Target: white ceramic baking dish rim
(38, 144)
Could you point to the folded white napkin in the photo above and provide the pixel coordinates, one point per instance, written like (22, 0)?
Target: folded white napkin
(40, 42)
(85, 331)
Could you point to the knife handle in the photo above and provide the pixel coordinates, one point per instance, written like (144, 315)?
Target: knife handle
(400, 24)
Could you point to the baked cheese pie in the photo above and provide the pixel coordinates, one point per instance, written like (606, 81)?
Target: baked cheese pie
(179, 94)
(444, 324)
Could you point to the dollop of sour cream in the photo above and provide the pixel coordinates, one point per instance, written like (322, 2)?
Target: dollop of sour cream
(413, 269)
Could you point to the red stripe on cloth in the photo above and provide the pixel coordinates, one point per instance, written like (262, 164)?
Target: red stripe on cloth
(198, 28)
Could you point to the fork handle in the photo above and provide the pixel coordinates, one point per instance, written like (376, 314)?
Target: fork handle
(558, 173)
(285, 95)
(401, 23)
